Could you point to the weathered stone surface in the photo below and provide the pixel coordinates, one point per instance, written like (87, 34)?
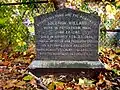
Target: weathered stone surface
(67, 38)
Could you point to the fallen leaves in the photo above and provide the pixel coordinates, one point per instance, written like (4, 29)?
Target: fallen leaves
(70, 86)
(13, 68)
(28, 78)
(103, 83)
(14, 74)
(110, 58)
(83, 83)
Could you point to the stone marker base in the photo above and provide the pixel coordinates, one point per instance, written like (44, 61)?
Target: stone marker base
(81, 72)
(88, 69)
(65, 64)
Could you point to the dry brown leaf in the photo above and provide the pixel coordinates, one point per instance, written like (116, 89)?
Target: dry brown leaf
(20, 83)
(33, 82)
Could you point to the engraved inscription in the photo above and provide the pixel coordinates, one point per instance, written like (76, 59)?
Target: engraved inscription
(67, 36)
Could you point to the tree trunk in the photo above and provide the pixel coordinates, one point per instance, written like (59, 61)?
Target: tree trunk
(58, 4)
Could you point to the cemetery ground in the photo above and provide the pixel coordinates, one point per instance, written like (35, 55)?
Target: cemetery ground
(14, 74)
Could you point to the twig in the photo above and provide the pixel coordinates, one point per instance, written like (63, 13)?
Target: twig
(20, 3)
(39, 81)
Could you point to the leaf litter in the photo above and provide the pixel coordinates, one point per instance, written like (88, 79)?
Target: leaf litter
(15, 76)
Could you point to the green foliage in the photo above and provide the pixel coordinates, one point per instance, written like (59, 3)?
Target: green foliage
(116, 71)
(17, 24)
(27, 78)
(11, 26)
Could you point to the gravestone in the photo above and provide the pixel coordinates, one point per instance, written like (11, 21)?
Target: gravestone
(67, 38)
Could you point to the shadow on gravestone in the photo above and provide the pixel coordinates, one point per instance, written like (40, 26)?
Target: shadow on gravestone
(67, 38)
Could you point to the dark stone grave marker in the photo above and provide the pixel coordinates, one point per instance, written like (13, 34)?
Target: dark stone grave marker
(67, 38)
